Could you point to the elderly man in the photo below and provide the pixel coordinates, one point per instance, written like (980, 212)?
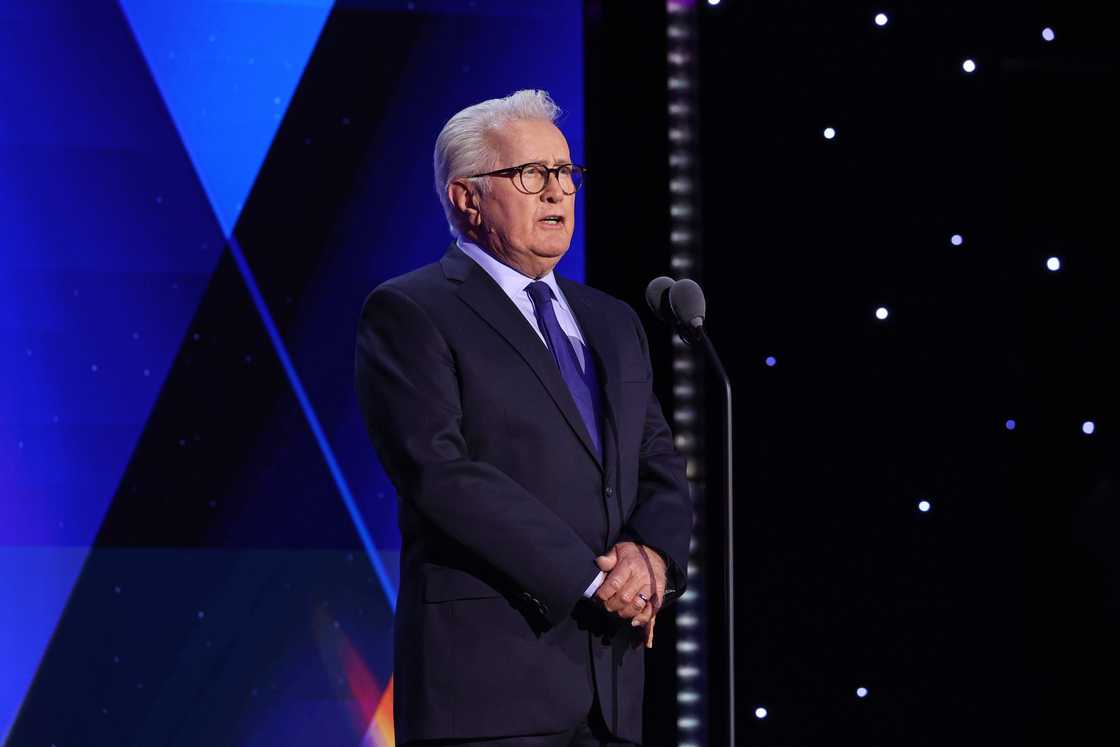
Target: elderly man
(544, 511)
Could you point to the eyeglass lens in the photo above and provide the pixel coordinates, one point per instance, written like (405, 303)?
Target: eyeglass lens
(534, 177)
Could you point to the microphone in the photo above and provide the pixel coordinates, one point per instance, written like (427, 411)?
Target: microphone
(679, 303)
(686, 300)
(657, 297)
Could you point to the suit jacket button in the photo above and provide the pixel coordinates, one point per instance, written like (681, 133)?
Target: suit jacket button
(609, 491)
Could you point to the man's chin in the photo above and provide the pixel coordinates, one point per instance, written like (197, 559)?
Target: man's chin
(553, 248)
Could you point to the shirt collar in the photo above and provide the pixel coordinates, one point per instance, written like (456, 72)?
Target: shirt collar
(512, 281)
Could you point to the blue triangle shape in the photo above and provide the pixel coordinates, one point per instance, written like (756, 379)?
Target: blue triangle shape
(227, 72)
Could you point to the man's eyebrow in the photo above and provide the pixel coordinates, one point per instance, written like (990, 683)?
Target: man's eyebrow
(560, 162)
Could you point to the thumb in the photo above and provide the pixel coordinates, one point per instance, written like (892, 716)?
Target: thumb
(608, 561)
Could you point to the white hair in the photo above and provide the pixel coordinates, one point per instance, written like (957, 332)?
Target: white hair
(463, 148)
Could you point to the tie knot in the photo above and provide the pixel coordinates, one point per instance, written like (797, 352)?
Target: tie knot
(540, 292)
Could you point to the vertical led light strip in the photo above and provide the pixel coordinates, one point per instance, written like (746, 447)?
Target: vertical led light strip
(688, 371)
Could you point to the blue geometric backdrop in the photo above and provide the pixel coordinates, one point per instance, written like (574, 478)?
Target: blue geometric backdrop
(196, 198)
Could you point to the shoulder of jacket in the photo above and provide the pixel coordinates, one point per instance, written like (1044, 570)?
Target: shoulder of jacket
(602, 300)
(419, 285)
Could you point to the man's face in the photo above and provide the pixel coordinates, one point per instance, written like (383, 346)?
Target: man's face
(516, 226)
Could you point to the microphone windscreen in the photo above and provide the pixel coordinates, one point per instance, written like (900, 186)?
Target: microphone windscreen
(657, 296)
(687, 302)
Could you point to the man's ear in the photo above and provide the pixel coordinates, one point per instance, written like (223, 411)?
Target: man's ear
(465, 201)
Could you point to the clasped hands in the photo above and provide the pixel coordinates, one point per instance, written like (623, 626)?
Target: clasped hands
(628, 581)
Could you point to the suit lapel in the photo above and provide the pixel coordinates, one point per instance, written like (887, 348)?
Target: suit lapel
(603, 349)
(479, 291)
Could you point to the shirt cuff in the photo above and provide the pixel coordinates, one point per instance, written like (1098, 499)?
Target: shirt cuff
(594, 587)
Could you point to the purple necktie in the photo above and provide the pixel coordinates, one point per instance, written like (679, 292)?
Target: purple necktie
(583, 384)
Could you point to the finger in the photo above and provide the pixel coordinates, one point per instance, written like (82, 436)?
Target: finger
(610, 587)
(649, 610)
(643, 617)
(649, 632)
(628, 595)
(606, 562)
(625, 600)
(622, 601)
(629, 610)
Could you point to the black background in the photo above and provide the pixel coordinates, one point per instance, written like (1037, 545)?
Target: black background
(991, 618)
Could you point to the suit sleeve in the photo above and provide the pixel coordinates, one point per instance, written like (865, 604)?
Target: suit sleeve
(408, 392)
(662, 517)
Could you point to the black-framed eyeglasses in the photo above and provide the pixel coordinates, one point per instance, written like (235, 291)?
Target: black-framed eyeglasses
(534, 176)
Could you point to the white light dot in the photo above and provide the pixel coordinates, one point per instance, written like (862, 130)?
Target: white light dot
(760, 712)
(713, 2)
(829, 133)
(93, 367)
(881, 19)
(923, 506)
(881, 313)
(956, 239)
(1088, 427)
(1010, 425)
(1048, 34)
(969, 66)
(1053, 264)
(861, 692)
(771, 360)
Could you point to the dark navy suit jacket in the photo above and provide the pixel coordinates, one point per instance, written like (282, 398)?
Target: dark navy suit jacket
(504, 504)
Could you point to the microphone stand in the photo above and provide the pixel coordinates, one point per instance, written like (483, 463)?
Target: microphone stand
(693, 334)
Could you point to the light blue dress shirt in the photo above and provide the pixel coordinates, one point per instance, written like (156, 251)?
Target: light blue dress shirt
(514, 284)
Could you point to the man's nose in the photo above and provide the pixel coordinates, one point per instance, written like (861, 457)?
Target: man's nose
(552, 191)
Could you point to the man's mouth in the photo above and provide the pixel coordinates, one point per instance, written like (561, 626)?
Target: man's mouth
(553, 220)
